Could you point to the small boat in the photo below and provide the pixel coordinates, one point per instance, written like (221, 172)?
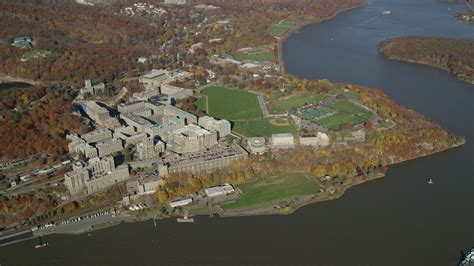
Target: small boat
(41, 244)
(387, 12)
(468, 258)
(185, 219)
(430, 181)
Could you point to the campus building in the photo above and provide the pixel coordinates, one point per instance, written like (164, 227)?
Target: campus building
(147, 149)
(95, 175)
(154, 78)
(143, 186)
(190, 138)
(222, 126)
(320, 140)
(109, 147)
(97, 135)
(90, 90)
(215, 158)
(100, 115)
(282, 141)
(257, 145)
(175, 93)
(153, 117)
(219, 191)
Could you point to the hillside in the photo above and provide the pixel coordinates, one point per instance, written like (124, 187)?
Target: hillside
(453, 55)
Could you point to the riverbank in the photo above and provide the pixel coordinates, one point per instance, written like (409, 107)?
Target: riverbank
(451, 55)
(297, 27)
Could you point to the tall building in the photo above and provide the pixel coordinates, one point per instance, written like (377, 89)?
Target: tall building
(147, 149)
(222, 126)
(190, 138)
(95, 175)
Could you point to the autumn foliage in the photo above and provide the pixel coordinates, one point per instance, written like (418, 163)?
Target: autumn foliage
(35, 121)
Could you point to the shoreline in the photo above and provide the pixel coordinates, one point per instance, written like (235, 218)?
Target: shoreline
(296, 28)
(294, 205)
(424, 63)
(302, 203)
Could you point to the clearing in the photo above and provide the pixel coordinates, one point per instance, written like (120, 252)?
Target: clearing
(281, 28)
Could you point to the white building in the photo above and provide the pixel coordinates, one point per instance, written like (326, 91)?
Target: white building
(222, 126)
(285, 140)
(257, 145)
(180, 203)
(320, 140)
(217, 191)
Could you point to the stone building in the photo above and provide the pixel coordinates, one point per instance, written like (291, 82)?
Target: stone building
(154, 78)
(320, 140)
(147, 149)
(109, 146)
(90, 90)
(257, 145)
(215, 158)
(97, 135)
(190, 138)
(222, 126)
(282, 141)
(95, 175)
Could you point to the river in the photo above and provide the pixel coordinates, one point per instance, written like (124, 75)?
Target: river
(397, 220)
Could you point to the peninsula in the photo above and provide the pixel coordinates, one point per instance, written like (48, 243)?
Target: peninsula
(156, 111)
(453, 55)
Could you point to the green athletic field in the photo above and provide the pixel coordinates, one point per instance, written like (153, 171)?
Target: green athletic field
(271, 190)
(281, 28)
(297, 101)
(262, 127)
(338, 113)
(257, 54)
(230, 104)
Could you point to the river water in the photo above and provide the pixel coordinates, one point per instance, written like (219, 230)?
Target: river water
(398, 220)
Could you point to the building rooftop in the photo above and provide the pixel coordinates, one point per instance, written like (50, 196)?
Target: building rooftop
(155, 73)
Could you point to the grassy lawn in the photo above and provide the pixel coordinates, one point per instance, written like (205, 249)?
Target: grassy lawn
(297, 101)
(201, 103)
(262, 127)
(266, 56)
(198, 211)
(270, 190)
(346, 113)
(281, 28)
(230, 104)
